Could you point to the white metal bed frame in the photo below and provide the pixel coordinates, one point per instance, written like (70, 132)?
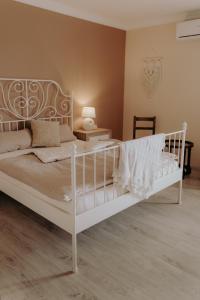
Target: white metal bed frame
(25, 99)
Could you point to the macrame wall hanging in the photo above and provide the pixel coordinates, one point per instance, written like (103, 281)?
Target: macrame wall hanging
(152, 74)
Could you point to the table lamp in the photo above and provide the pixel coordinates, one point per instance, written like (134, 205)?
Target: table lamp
(88, 113)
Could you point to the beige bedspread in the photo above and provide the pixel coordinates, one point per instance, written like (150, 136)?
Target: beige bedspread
(54, 179)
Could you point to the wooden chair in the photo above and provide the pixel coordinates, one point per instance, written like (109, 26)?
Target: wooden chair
(143, 119)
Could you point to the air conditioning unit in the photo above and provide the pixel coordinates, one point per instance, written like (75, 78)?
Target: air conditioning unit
(188, 29)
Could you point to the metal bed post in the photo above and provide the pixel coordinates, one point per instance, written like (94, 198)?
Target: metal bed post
(72, 111)
(184, 127)
(74, 231)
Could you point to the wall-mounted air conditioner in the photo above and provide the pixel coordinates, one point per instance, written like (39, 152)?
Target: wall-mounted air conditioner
(188, 29)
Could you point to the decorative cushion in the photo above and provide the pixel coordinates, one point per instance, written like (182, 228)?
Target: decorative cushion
(45, 133)
(66, 134)
(15, 140)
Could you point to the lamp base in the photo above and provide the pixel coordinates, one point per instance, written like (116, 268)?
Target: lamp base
(88, 124)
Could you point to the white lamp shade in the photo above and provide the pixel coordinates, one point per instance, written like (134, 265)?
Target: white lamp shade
(88, 112)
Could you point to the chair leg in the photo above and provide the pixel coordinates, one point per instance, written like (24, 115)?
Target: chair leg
(74, 253)
(180, 192)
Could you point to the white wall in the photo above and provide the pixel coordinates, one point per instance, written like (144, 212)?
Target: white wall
(178, 95)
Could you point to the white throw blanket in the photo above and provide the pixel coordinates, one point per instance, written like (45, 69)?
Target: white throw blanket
(138, 164)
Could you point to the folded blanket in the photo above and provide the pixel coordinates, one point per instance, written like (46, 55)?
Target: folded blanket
(138, 164)
(51, 154)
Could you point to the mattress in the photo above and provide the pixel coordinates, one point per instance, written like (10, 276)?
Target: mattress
(54, 179)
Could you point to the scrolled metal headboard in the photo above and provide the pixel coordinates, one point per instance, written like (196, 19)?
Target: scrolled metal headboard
(22, 100)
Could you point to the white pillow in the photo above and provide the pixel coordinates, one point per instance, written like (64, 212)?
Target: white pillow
(66, 134)
(45, 133)
(15, 140)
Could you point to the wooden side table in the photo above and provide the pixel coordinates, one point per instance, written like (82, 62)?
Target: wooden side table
(98, 134)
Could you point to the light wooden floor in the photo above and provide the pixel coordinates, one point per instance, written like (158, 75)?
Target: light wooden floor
(148, 252)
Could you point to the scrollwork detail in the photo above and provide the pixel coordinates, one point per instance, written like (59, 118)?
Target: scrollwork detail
(27, 99)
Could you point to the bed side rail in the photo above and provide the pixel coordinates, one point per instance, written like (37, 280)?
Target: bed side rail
(79, 168)
(175, 144)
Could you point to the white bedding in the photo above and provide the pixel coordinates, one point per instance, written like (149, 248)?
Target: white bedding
(87, 201)
(51, 154)
(54, 179)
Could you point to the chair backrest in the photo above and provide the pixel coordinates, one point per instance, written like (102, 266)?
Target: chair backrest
(143, 119)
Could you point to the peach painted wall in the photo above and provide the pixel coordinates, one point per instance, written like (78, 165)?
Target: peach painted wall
(177, 98)
(82, 56)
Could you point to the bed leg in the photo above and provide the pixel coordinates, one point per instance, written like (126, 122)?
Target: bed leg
(74, 253)
(180, 192)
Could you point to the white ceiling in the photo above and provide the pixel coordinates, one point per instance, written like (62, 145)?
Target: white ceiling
(124, 14)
